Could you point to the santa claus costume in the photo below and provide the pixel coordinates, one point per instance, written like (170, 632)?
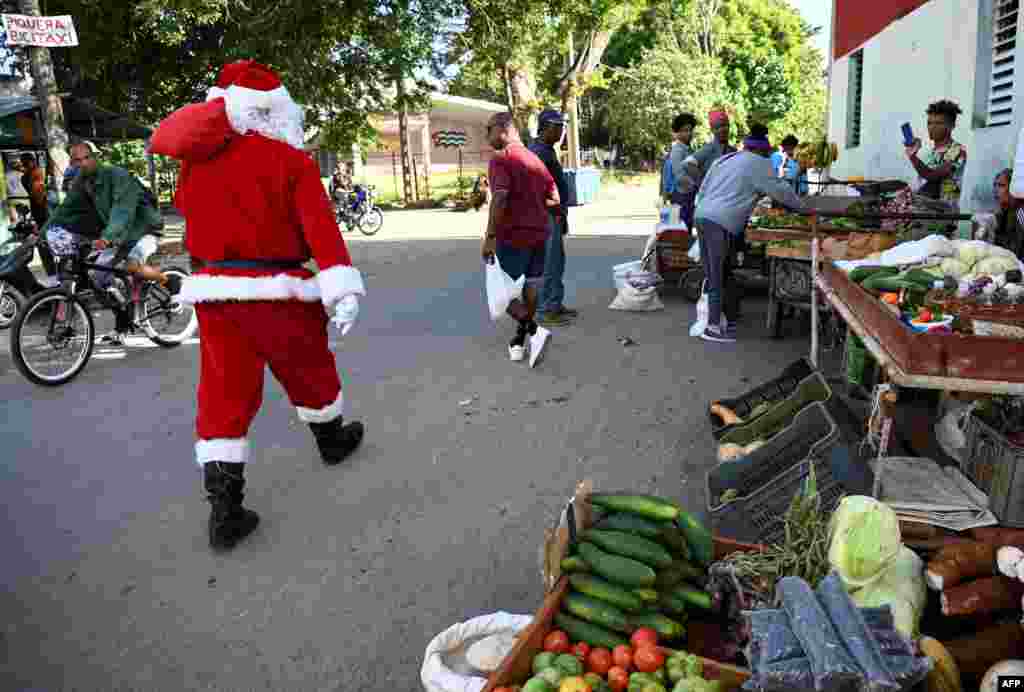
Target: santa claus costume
(255, 212)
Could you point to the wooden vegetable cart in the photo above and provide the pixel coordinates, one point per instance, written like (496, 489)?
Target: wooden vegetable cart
(517, 666)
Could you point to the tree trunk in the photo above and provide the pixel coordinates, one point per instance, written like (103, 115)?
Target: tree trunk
(524, 95)
(403, 142)
(50, 103)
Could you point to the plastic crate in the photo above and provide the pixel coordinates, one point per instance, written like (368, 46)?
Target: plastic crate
(778, 415)
(769, 392)
(768, 479)
(997, 468)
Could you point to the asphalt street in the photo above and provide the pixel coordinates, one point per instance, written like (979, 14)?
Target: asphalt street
(108, 583)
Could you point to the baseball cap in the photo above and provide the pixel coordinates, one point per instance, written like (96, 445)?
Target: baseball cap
(550, 117)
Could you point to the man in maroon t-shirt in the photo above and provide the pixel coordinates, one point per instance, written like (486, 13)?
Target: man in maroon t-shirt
(523, 194)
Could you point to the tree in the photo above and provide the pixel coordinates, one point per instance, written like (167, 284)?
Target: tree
(646, 97)
(338, 57)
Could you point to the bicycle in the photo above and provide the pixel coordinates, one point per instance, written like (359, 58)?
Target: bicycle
(64, 317)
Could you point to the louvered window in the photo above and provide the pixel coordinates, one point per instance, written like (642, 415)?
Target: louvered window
(1004, 58)
(854, 94)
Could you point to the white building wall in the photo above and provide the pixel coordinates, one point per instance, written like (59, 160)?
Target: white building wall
(930, 54)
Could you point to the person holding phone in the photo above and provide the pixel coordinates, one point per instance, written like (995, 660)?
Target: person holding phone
(941, 169)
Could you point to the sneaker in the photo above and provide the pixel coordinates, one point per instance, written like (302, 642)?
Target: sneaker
(568, 312)
(550, 319)
(49, 281)
(114, 338)
(728, 328)
(717, 335)
(537, 343)
(517, 348)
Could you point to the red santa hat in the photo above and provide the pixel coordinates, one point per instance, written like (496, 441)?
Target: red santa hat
(257, 101)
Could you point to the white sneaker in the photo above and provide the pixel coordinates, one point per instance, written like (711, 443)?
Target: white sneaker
(537, 343)
(114, 338)
(516, 353)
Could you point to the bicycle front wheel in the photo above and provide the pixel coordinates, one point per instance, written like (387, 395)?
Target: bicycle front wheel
(167, 321)
(52, 338)
(371, 221)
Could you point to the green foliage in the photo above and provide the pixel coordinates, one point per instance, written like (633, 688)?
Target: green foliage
(646, 97)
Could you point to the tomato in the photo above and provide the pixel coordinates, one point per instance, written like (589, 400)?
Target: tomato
(648, 659)
(599, 661)
(925, 316)
(557, 642)
(581, 650)
(645, 636)
(618, 679)
(574, 684)
(622, 656)
(891, 298)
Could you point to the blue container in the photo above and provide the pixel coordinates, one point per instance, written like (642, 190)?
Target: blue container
(584, 185)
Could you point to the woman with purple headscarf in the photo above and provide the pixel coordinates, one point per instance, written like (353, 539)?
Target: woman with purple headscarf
(726, 199)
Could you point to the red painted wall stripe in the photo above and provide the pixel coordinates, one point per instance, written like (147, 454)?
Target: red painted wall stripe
(859, 20)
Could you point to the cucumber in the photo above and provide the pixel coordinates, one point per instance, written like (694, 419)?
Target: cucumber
(646, 596)
(629, 545)
(620, 570)
(583, 631)
(648, 506)
(673, 538)
(612, 594)
(702, 546)
(672, 603)
(662, 624)
(574, 563)
(695, 598)
(677, 573)
(861, 273)
(887, 284)
(919, 276)
(596, 612)
(633, 523)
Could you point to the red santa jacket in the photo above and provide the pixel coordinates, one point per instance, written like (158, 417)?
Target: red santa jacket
(248, 197)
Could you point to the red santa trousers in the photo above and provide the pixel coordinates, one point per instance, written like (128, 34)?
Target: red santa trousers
(237, 339)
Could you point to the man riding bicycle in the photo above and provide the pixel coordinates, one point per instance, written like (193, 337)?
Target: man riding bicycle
(107, 206)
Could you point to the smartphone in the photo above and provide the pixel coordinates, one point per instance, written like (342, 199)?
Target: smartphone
(908, 135)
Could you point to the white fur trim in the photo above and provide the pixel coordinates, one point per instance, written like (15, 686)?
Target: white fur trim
(202, 288)
(337, 282)
(230, 450)
(272, 113)
(325, 414)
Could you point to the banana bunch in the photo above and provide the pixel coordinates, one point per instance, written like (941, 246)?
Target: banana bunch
(817, 155)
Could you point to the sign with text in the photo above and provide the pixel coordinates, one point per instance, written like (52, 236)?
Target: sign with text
(51, 32)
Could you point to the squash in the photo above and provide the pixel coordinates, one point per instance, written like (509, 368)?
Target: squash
(944, 676)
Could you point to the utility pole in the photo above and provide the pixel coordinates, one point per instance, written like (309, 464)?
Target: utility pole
(45, 84)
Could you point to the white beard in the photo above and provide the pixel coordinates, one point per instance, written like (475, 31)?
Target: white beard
(272, 114)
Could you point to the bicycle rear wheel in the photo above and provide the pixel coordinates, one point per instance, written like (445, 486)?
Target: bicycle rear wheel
(11, 303)
(52, 338)
(167, 321)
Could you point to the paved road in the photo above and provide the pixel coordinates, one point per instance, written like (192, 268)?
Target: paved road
(108, 584)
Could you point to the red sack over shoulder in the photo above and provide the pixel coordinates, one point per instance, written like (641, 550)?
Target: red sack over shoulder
(196, 132)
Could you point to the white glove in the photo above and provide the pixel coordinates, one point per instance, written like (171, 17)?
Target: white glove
(345, 313)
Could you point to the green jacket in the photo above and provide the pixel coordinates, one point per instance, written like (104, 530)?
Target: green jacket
(123, 214)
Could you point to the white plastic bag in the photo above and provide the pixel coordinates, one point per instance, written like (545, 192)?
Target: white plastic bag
(694, 252)
(637, 299)
(437, 675)
(501, 289)
(702, 312)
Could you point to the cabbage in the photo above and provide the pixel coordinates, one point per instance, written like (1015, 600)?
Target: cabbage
(954, 267)
(996, 264)
(864, 538)
(902, 587)
(971, 252)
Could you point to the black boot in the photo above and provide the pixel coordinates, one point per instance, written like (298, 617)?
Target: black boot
(336, 440)
(229, 521)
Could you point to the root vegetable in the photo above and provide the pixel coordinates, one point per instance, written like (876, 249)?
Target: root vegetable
(998, 536)
(982, 596)
(730, 452)
(727, 415)
(956, 564)
(975, 653)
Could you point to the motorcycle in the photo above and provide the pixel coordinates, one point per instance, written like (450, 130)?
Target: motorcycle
(17, 281)
(357, 209)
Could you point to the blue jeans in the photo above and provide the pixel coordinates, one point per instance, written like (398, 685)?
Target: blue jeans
(716, 245)
(553, 293)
